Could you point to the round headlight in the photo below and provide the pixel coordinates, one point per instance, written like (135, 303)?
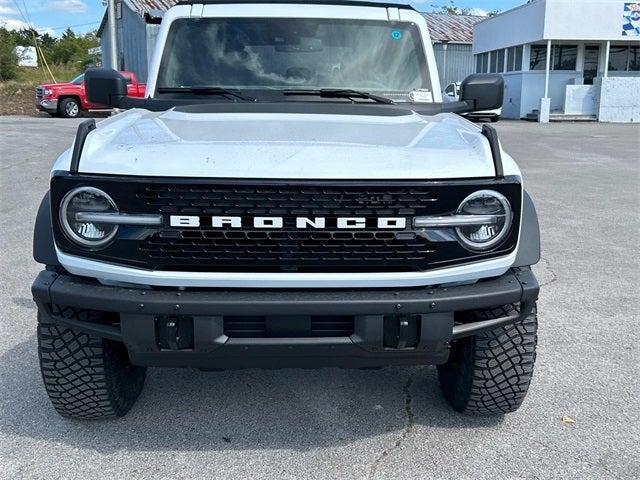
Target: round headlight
(86, 233)
(494, 206)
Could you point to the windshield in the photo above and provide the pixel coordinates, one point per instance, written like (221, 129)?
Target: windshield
(78, 80)
(289, 53)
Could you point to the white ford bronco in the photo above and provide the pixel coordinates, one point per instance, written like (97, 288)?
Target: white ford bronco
(292, 192)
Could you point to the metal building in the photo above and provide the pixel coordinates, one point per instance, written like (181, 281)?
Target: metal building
(137, 26)
(452, 37)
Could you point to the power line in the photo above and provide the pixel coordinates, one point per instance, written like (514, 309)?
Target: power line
(72, 26)
(35, 40)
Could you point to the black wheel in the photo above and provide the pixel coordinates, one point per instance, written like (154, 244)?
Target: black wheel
(490, 373)
(86, 376)
(69, 108)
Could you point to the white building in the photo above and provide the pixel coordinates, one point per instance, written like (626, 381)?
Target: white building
(565, 59)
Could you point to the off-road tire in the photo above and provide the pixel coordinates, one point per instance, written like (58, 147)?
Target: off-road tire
(490, 373)
(86, 376)
(64, 109)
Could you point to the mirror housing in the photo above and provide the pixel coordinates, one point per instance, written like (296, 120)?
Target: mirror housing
(482, 91)
(105, 86)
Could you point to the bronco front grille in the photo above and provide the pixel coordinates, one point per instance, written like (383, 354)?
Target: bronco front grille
(285, 249)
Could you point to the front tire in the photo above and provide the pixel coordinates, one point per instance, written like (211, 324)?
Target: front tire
(69, 108)
(490, 373)
(85, 376)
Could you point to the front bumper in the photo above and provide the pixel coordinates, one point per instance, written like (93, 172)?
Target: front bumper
(47, 105)
(139, 318)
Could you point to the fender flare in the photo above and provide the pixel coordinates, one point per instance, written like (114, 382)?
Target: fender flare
(529, 246)
(44, 250)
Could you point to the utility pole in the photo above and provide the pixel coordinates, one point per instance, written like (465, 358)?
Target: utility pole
(113, 41)
(445, 75)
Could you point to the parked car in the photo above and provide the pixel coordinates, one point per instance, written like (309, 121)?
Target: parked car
(269, 205)
(68, 99)
(452, 94)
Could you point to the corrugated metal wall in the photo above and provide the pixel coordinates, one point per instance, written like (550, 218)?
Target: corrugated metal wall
(459, 62)
(132, 43)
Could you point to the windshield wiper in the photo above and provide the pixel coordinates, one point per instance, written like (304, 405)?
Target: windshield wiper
(204, 90)
(338, 93)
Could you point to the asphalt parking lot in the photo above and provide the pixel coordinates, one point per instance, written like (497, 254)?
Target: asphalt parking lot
(390, 423)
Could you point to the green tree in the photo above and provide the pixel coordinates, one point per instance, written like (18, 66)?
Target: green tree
(8, 59)
(452, 9)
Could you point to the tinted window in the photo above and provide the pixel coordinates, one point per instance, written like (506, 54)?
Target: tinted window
(518, 63)
(538, 57)
(501, 60)
(511, 54)
(634, 58)
(494, 61)
(624, 58)
(564, 57)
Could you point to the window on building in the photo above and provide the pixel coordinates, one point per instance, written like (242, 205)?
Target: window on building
(624, 58)
(494, 62)
(501, 60)
(514, 59)
(517, 66)
(564, 57)
(538, 57)
(482, 62)
(634, 58)
(511, 56)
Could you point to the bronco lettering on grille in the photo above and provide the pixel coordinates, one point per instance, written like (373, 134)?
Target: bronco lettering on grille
(340, 223)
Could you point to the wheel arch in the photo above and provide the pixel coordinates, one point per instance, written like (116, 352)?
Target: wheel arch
(44, 249)
(63, 97)
(529, 245)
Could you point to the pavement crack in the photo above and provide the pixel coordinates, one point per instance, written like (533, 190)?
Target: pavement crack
(553, 278)
(409, 420)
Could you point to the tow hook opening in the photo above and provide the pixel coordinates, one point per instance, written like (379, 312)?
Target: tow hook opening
(174, 332)
(402, 331)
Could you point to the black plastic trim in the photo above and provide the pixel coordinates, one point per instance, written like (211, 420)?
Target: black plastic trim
(491, 134)
(44, 250)
(83, 130)
(80, 292)
(529, 245)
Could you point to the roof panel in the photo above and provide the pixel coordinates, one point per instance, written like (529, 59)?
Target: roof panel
(451, 28)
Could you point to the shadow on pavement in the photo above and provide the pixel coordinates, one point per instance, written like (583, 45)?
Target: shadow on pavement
(189, 410)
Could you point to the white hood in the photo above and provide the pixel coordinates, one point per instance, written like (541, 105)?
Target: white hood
(287, 146)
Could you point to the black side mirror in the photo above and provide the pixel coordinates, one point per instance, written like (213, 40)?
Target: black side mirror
(105, 86)
(482, 91)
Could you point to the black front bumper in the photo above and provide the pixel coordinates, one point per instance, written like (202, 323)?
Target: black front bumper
(142, 319)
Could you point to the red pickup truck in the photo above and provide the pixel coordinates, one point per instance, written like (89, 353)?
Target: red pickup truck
(69, 99)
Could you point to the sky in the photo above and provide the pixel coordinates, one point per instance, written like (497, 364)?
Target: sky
(54, 16)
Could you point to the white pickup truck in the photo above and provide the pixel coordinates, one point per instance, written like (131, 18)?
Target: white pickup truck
(292, 192)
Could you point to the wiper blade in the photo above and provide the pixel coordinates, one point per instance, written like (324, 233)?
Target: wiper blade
(205, 90)
(339, 93)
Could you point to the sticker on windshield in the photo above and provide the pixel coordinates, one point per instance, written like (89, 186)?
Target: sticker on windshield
(396, 34)
(421, 95)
